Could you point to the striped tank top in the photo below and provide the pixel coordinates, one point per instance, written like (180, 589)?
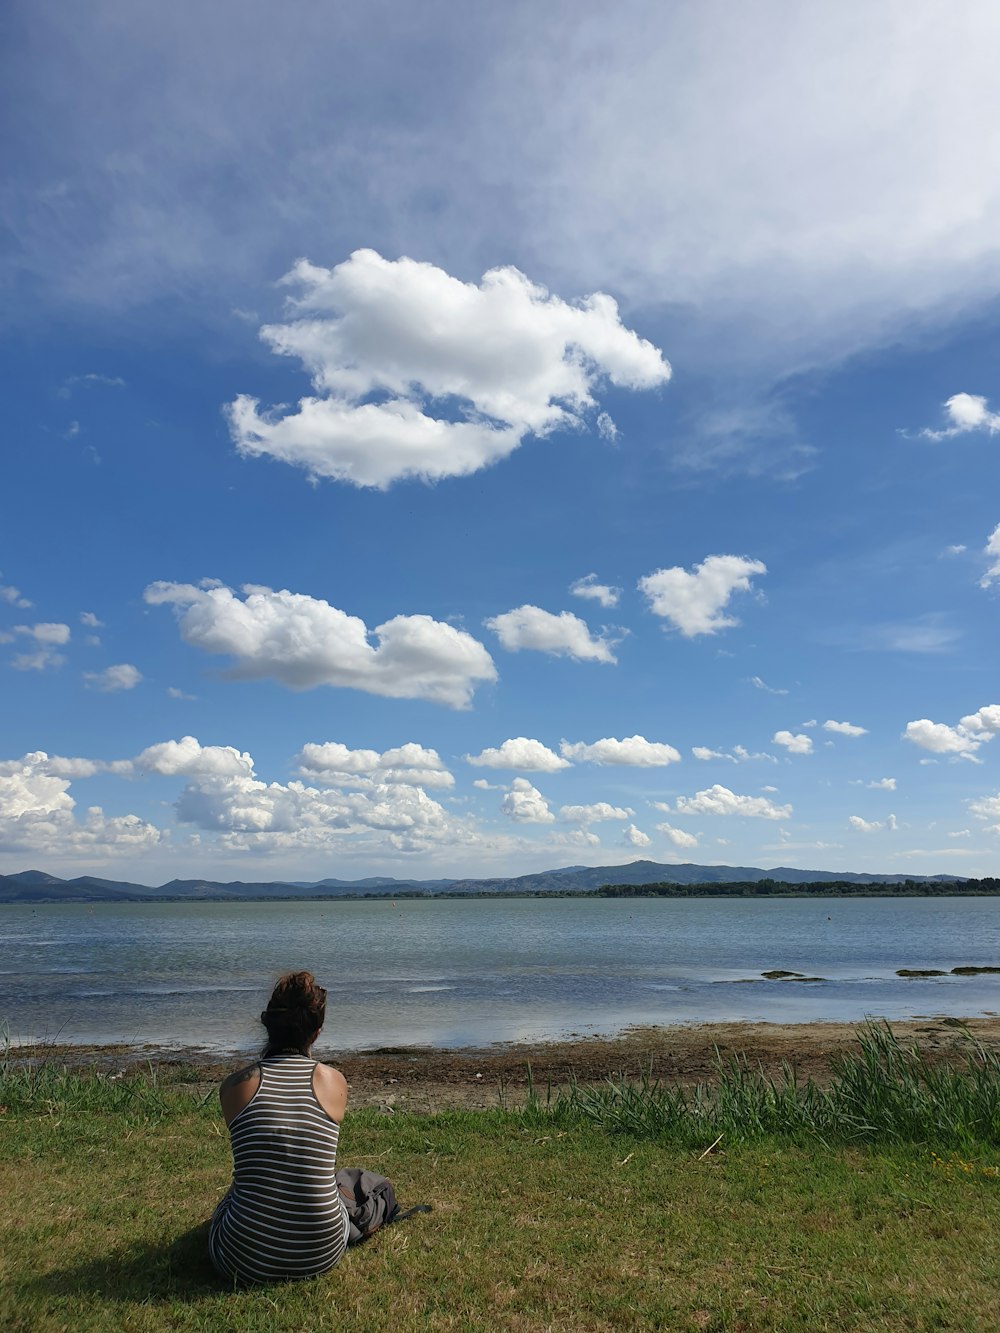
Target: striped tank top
(283, 1215)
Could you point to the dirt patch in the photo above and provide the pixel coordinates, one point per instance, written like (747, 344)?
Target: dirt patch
(432, 1079)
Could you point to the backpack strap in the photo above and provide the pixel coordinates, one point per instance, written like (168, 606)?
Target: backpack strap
(417, 1208)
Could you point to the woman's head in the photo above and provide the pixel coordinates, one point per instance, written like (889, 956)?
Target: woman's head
(294, 1013)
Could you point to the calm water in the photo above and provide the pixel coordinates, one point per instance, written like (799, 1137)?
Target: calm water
(460, 973)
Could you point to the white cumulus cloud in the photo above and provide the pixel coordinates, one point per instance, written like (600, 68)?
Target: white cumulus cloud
(526, 804)
(38, 660)
(253, 815)
(40, 764)
(872, 825)
(992, 551)
(633, 751)
(28, 787)
(388, 342)
(601, 593)
(407, 765)
(845, 728)
(47, 633)
(634, 837)
(965, 412)
(562, 635)
(37, 812)
(677, 835)
(965, 739)
(520, 752)
(694, 603)
(594, 814)
(797, 743)
(577, 837)
(47, 637)
(303, 642)
(121, 676)
(939, 737)
(188, 757)
(13, 596)
(983, 723)
(986, 807)
(719, 800)
(883, 784)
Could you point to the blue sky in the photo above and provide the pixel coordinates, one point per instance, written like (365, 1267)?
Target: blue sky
(451, 442)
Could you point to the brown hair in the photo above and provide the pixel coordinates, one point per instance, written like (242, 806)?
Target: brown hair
(294, 1012)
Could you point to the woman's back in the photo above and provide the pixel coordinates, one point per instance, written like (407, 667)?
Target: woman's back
(283, 1216)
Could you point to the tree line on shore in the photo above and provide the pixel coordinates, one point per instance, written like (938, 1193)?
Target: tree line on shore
(836, 888)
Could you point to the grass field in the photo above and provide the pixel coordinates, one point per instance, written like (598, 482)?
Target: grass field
(545, 1219)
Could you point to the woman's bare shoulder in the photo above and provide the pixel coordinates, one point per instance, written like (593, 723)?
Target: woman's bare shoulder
(331, 1088)
(332, 1078)
(237, 1090)
(239, 1076)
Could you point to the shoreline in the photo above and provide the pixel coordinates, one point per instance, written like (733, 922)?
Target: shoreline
(428, 1079)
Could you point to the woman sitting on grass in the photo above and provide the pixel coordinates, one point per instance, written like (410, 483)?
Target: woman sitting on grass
(283, 1216)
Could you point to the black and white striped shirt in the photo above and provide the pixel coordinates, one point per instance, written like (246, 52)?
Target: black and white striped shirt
(283, 1215)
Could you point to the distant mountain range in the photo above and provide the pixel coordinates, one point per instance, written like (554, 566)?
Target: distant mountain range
(35, 886)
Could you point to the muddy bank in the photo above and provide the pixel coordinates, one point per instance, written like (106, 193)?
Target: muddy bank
(428, 1079)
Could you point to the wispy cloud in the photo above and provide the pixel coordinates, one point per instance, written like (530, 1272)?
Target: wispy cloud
(739, 754)
(89, 381)
(929, 633)
(759, 684)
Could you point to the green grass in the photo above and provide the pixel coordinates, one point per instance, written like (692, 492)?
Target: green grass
(882, 1093)
(549, 1218)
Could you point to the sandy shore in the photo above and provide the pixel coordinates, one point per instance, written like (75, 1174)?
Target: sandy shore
(428, 1079)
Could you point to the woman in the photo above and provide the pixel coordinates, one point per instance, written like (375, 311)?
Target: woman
(283, 1216)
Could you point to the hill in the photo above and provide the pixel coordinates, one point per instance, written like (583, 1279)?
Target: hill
(36, 886)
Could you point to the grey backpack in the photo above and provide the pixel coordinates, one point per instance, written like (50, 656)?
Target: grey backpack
(371, 1202)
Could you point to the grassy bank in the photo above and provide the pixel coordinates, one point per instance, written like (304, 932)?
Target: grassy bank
(564, 1217)
(880, 1092)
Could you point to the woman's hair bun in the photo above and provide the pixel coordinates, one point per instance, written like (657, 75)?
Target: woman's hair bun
(295, 1011)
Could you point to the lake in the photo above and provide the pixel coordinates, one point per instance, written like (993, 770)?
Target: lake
(454, 973)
